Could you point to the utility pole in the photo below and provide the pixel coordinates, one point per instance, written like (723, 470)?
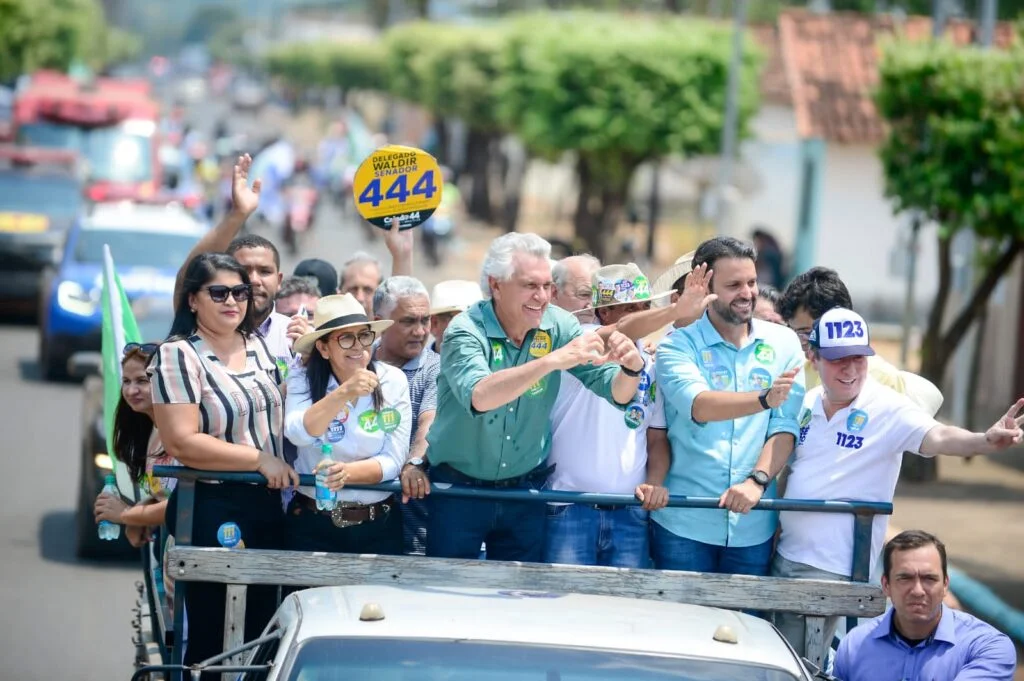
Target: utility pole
(730, 126)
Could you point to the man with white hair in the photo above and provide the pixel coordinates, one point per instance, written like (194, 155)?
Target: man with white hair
(500, 373)
(572, 284)
(448, 299)
(405, 302)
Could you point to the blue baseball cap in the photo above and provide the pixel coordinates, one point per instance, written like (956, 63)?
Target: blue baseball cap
(841, 333)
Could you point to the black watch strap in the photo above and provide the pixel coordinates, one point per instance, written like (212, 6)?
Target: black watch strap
(763, 398)
(761, 478)
(629, 372)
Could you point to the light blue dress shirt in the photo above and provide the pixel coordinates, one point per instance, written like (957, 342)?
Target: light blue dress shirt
(963, 648)
(709, 458)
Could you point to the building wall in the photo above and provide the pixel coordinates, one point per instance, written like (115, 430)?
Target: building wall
(858, 235)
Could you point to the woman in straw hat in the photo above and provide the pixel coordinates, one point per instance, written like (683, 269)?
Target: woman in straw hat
(360, 408)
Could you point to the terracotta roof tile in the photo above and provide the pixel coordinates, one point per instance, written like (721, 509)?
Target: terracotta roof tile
(831, 64)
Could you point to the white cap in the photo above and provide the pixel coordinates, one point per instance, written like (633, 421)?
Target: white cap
(841, 333)
(454, 295)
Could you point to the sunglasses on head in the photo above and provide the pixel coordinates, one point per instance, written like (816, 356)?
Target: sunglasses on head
(219, 293)
(144, 348)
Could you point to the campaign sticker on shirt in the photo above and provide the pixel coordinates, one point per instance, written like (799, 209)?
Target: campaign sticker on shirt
(634, 416)
(707, 358)
(652, 392)
(805, 418)
(856, 421)
(369, 421)
(721, 377)
(759, 379)
(541, 344)
(282, 367)
(537, 389)
(389, 420)
(335, 431)
(764, 353)
(497, 354)
(645, 381)
(343, 415)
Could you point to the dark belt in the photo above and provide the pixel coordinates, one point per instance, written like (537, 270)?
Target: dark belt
(539, 473)
(350, 513)
(608, 507)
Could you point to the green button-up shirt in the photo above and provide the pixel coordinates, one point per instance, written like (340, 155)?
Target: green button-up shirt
(514, 438)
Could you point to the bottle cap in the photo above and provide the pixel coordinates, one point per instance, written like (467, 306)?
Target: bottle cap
(326, 448)
(229, 535)
(110, 479)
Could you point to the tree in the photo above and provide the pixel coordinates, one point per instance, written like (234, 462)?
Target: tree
(36, 34)
(207, 21)
(956, 137)
(618, 91)
(453, 71)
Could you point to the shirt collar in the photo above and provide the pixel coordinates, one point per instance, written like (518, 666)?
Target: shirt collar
(493, 328)
(945, 632)
(264, 328)
(711, 336)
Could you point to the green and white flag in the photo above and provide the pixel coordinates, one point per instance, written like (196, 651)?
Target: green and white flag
(119, 328)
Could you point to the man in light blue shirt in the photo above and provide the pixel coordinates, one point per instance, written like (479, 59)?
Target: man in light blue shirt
(732, 387)
(919, 638)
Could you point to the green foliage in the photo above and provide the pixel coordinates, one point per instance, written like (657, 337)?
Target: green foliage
(37, 34)
(621, 89)
(208, 21)
(357, 65)
(956, 120)
(451, 70)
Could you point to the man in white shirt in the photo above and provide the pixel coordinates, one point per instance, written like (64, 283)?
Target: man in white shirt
(572, 277)
(598, 448)
(853, 432)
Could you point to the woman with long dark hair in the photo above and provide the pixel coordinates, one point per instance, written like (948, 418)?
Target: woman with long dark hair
(362, 410)
(137, 443)
(218, 404)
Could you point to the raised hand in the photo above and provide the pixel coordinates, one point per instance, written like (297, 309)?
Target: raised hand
(1007, 432)
(244, 199)
(695, 297)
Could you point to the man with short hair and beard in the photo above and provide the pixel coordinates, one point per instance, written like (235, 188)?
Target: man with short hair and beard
(732, 387)
(260, 257)
(919, 637)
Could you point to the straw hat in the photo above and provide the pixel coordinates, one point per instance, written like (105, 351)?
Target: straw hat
(683, 265)
(334, 313)
(454, 295)
(621, 285)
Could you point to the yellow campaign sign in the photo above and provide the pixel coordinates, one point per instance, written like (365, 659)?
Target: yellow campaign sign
(23, 222)
(397, 183)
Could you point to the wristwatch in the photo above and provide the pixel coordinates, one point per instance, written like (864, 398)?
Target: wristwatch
(416, 462)
(629, 372)
(761, 478)
(763, 398)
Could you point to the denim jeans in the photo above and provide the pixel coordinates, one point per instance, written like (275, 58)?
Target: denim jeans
(513, 530)
(672, 552)
(580, 534)
(792, 625)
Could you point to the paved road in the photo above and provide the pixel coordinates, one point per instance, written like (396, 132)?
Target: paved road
(62, 618)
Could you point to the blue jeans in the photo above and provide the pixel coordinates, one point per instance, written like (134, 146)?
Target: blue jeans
(580, 534)
(672, 552)
(513, 530)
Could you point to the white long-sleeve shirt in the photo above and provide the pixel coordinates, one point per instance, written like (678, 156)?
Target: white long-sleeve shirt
(358, 432)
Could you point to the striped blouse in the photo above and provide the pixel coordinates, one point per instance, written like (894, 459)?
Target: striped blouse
(243, 408)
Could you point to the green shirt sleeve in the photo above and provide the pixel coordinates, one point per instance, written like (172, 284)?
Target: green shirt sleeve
(464, 361)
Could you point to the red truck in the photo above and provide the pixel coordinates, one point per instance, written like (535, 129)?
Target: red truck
(111, 123)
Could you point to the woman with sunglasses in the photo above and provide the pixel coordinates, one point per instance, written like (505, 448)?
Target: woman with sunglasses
(218, 405)
(362, 409)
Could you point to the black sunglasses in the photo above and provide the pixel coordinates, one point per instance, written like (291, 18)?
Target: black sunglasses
(219, 294)
(348, 341)
(144, 348)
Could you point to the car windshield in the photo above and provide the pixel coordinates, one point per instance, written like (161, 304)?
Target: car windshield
(337, 659)
(54, 195)
(134, 249)
(111, 154)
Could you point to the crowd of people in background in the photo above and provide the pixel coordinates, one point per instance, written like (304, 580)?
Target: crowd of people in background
(716, 378)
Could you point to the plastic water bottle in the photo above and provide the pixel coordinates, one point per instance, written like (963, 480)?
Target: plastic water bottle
(109, 531)
(326, 498)
(229, 535)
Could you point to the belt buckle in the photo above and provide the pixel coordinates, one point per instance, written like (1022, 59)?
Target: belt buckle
(338, 517)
